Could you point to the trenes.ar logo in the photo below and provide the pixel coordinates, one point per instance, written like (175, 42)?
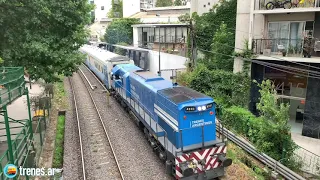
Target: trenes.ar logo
(10, 171)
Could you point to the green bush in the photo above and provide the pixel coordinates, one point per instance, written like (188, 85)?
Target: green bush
(238, 119)
(270, 132)
(225, 87)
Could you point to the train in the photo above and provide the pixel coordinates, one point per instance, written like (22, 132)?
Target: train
(178, 122)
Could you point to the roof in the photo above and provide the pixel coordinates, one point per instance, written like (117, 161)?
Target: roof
(125, 68)
(167, 8)
(157, 25)
(146, 15)
(181, 94)
(103, 55)
(289, 59)
(148, 76)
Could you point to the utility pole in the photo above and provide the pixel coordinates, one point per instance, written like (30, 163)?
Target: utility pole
(193, 45)
(159, 73)
(159, 52)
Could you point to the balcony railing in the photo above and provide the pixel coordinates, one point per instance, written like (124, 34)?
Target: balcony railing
(291, 47)
(261, 4)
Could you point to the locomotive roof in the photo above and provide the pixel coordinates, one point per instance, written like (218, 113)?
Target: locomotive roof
(148, 76)
(181, 94)
(103, 55)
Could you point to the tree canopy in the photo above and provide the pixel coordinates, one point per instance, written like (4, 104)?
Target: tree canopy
(209, 23)
(120, 31)
(163, 3)
(44, 36)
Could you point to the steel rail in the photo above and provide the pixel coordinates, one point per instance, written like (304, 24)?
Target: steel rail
(91, 86)
(104, 128)
(79, 130)
(95, 77)
(265, 159)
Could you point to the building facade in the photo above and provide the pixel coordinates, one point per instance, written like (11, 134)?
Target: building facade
(160, 27)
(287, 45)
(202, 6)
(102, 7)
(171, 38)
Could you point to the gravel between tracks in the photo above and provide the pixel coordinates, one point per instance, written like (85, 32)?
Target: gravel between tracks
(98, 158)
(135, 156)
(72, 169)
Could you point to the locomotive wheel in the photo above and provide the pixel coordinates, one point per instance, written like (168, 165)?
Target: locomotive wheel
(269, 6)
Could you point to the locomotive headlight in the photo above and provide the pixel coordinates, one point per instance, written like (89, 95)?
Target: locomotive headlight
(203, 108)
(199, 108)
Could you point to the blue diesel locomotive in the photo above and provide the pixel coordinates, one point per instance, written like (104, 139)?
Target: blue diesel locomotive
(178, 122)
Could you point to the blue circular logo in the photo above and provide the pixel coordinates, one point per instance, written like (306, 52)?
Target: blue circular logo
(10, 170)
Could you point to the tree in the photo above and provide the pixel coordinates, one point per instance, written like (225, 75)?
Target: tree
(163, 3)
(116, 10)
(178, 3)
(220, 58)
(43, 36)
(208, 24)
(275, 137)
(120, 30)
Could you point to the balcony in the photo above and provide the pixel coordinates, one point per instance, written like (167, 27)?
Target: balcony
(283, 49)
(297, 6)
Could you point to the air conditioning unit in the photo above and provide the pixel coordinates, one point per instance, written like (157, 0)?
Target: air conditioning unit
(317, 46)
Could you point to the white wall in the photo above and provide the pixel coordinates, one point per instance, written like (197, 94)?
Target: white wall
(102, 13)
(135, 37)
(202, 6)
(130, 7)
(160, 20)
(242, 29)
(167, 61)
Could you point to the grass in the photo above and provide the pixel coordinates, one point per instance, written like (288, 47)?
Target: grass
(250, 166)
(58, 152)
(61, 102)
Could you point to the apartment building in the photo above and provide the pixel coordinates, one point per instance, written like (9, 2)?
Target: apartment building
(102, 7)
(289, 40)
(161, 27)
(202, 6)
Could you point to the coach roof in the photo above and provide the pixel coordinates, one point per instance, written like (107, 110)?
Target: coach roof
(103, 55)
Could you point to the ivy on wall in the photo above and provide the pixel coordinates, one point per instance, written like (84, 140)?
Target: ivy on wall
(208, 24)
(120, 31)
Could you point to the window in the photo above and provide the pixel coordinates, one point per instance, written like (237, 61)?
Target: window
(209, 3)
(204, 5)
(288, 34)
(91, 2)
(102, 7)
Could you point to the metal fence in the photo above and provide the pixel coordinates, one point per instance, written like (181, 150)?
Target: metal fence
(22, 140)
(172, 74)
(310, 161)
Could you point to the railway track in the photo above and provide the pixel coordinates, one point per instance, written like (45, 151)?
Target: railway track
(98, 158)
(137, 159)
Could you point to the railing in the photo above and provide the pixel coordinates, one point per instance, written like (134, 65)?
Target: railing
(265, 159)
(310, 161)
(11, 84)
(20, 148)
(291, 47)
(261, 4)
